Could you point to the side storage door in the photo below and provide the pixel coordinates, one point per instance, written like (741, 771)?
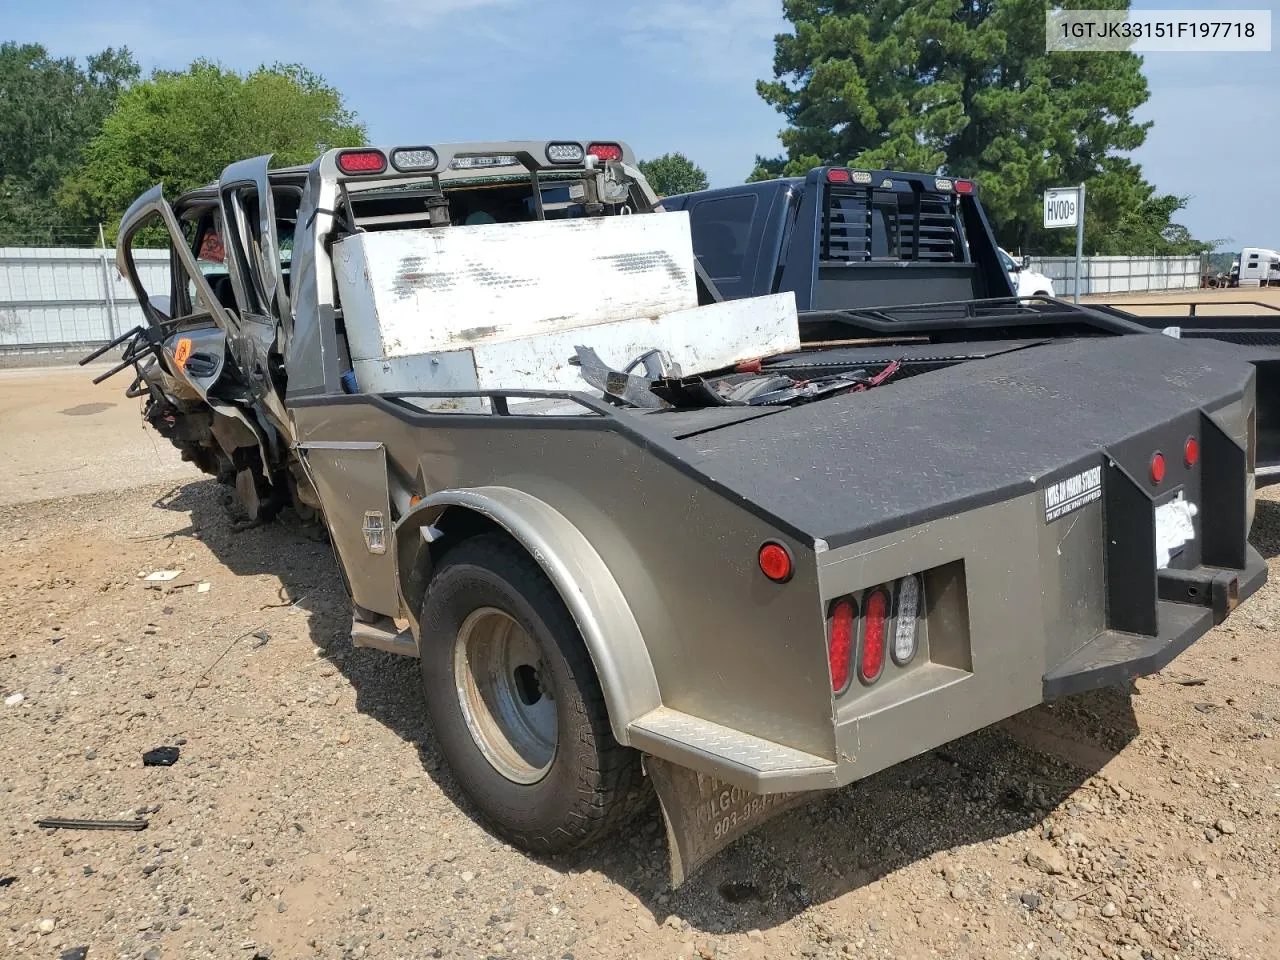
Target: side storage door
(351, 479)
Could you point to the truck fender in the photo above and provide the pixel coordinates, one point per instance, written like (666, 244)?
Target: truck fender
(579, 574)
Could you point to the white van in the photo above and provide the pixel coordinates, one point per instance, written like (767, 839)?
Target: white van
(1259, 267)
(1026, 282)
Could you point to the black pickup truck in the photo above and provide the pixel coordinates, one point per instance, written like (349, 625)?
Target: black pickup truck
(874, 254)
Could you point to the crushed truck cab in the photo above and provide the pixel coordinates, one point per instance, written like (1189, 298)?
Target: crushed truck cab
(631, 528)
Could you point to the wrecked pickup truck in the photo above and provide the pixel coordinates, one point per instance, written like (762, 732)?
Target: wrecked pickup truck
(634, 529)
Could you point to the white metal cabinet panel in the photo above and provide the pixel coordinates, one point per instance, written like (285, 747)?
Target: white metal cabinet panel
(408, 292)
(454, 370)
(699, 340)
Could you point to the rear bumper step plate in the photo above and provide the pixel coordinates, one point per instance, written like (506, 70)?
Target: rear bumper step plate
(1113, 657)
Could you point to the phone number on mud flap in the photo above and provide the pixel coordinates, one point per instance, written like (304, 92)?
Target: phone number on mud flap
(748, 810)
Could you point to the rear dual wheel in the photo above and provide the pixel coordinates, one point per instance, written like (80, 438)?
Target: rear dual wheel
(513, 697)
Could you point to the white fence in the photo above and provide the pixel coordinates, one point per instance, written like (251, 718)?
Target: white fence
(68, 296)
(1120, 274)
(73, 296)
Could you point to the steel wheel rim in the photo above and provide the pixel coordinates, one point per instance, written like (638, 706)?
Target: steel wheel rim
(505, 695)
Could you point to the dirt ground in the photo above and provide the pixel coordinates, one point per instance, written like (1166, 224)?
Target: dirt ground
(64, 436)
(1209, 303)
(308, 814)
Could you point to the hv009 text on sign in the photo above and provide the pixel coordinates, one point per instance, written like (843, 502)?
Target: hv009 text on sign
(1157, 31)
(1061, 207)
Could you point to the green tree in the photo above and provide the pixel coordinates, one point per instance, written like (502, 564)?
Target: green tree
(672, 174)
(965, 87)
(49, 109)
(183, 128)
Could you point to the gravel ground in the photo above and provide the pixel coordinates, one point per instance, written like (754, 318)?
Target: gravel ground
(308, 814)
(63, 435)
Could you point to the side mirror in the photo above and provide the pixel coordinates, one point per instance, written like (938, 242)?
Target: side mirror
(1026, 263)
(161, 304)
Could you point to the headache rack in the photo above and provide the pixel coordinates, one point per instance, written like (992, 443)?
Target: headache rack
(905, 222)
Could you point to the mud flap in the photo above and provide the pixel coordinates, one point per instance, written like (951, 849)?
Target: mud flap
(704, 815)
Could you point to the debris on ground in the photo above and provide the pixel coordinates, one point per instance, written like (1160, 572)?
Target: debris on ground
(161, 757)
(58, 823)
(162, 576)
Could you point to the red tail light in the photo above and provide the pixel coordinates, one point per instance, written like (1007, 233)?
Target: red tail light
(605, 151)
(362, 161)
(964, 186)
(840, 651)
(875, 615)
(879, 630)
(1191, 451)
(838, 175)
(1157, 468)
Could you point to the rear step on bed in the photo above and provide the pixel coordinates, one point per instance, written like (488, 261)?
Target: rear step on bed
(704, 813)
(1190, 602)
(736, 757)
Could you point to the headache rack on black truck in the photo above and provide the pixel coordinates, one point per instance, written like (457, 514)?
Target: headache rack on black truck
(874, 253)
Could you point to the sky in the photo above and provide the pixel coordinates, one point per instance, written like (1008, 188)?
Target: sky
(663, 75)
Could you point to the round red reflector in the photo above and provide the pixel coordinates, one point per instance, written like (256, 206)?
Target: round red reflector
(1191, 451)
(775, 562)
(1157, 468)
(840, 653)
(838, 175)
(362, 161)
(875, 613)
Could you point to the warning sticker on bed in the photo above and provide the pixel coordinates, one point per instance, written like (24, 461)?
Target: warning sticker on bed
(1069, 495)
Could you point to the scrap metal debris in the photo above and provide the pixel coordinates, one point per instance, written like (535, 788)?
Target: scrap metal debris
(160, 757)
(205, 675)
(59, 823)
(764, 388)
(622, 384)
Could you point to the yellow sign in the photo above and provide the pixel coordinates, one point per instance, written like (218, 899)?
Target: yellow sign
(181, 352)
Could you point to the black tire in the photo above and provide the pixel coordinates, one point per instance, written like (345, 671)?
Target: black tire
(593, 784)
